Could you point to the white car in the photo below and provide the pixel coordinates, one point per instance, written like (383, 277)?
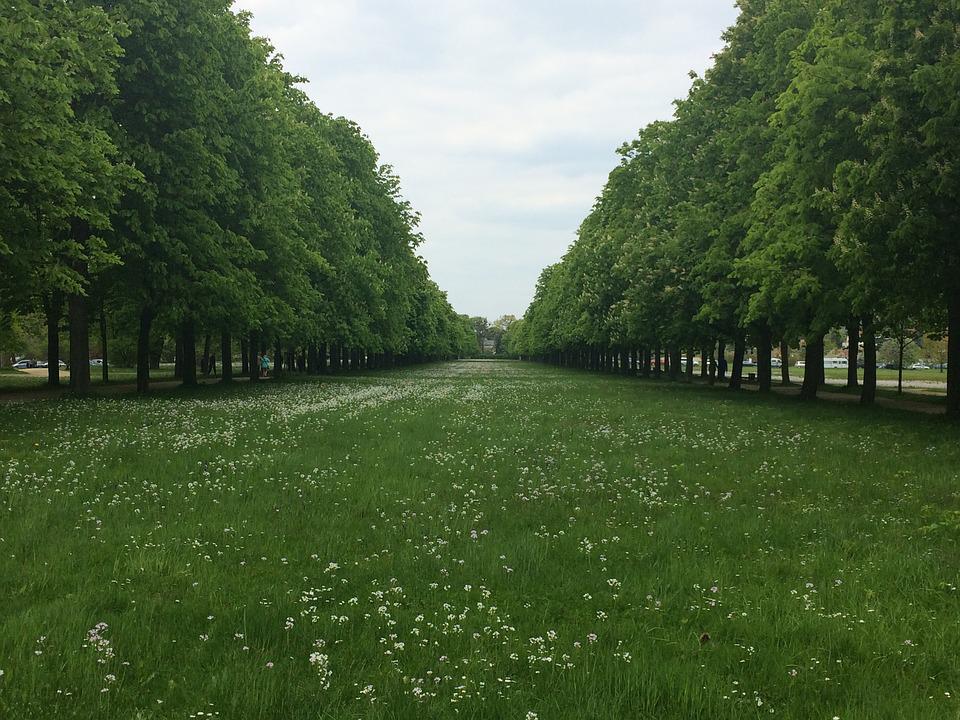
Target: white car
(776, 362)
(24, 364)
(919, 366)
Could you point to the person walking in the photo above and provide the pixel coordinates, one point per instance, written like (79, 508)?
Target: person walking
(264, 365)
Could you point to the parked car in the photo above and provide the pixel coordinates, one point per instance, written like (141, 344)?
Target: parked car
(749, 362)
(25, 363)
(97, 362)
(801, 363)
(919, 366)
(776, 362)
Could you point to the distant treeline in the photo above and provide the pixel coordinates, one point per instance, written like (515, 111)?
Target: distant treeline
(160, 168)
(810, 180)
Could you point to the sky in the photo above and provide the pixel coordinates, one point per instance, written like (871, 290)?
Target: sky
(502, 118)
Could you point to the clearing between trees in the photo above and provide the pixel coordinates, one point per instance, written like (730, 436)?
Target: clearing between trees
(476, 539)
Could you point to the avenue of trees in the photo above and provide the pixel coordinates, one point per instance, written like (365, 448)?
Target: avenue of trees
(810, 180)
(162, 175)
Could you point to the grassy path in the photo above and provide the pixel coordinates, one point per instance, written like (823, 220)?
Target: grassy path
(480, 540)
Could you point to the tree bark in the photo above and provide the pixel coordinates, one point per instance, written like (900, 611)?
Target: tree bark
(244, 358)
(226, 357)
(739, 350)
(764, 360)
(54, 310)
(189, 342)
(206, 354)
(784, 362)
(711, 364)
(690, 352)
(676, 365)
(869, 392)
(953, 356)
(853, 352)
(813, 368)
(253, 366)
(105, 368)
(704, 363)
(178, 358)
(79, 343)
(721, 354)
(143, 350)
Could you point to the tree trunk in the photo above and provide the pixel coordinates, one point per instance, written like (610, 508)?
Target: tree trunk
(253, 364)
(853, 352)
(657, 363)
(206, 354)
(244, 358)
(704, 363)
(690, 352)
(711, 362)
(143, 350)
(189, 342)
(277, 360)
(953, 356)
(105, 368)
(721, 360)
(784, 362)
(813, 368)
(322, 360)
(902, 343)
(764, 360)
(676, 365)
(226, 357)
(79, 343)
(869, 392)
(54, 310)
(178, 359)
(739, 350)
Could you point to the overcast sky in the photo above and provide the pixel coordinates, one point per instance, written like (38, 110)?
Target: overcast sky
(501, 117)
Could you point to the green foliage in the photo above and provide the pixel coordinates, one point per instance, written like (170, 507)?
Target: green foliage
(808, 178)
(156, 154)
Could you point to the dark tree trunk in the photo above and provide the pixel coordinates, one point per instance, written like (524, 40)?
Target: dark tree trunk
(953, 356)
(903, 346)
(206, 354)
(178, 359)
(253, 364)
(105, 368)
(189, 364)
(711, 364)
(704, 363)
(813, 368)
(278, 359)
(323, 360)
(53, 308)
(869, 393)
(784, 362)
(143, 349)
(657, 366)
(79, 343)
(690, 353)
(764, 360)
(312, 359)
(244, 358)
(721, 356)
(853, 352)
(676, 365)
(739, 350)
(226, 357)
(78, 312)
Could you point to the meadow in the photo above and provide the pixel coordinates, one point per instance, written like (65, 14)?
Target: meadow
(476, 540)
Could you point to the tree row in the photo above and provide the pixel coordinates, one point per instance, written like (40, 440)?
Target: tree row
(159, 166)
(810, 180)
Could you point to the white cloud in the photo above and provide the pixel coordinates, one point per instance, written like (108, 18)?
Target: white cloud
(501, 117)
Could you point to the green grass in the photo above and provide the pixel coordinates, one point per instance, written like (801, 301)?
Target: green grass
(479, 540)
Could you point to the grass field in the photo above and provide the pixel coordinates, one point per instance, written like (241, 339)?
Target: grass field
(477, 540)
